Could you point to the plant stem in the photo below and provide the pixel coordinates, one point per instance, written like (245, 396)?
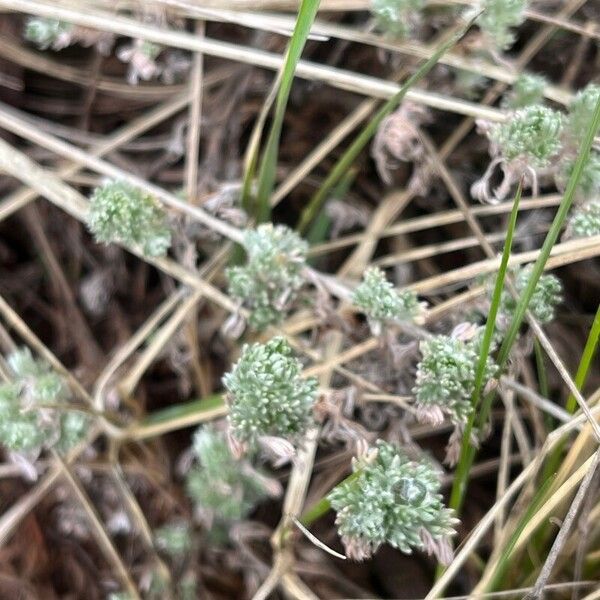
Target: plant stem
(589, 350)
(267, 171)
(550, 240)
(350, 155)
(467, 452)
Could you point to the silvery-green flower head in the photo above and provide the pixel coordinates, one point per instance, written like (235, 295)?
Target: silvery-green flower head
(589, 182)
(498, 19)
(531, 135)
(585, 221)
(174, 539)
(187, 587)
(46, 33)
(122, 213)
(396, 17)
(266, 394)
(270, 280)
(221, 486)
(546, 297)
(29, 420)
(74, 426)
(382, 303)
(528, 89)
(19, 430)
(446, 378)
(581, 111)
(392, 499)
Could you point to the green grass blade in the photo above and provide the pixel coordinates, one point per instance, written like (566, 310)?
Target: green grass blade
(542, 377)
(504, 560)
(253, 150)
(550, 240)
(267, 171)
(345, 162)
(316, 511)
(467, 452)
(322, 506)
(587, 356)
(540, 263)
(540, 366)
(179, 416)
(318, 230)
(589, 350)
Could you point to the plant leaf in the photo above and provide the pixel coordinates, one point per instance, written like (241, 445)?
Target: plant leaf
(267, 170)
(350, 155)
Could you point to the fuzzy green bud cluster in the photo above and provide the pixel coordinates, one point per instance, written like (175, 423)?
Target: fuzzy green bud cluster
(381, 302)
(531, 135)
(270, 280)
(546, 296)
(469, 84)
(498, 19)
(28, 420)
(585, 221)
(187, 587)
(174, 539)
(396, 17)
(220, 486)
(395, 500)
(581, 111)
(74, 426)
(445, 378)
(589, 182)
(46, 33)
(266, 394)
(122, 213)
(528, 89)
(150, 49)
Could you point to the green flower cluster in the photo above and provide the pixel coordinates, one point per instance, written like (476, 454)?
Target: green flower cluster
(159, 589)
(28, 420)
(585, 221)
(220, 486)
(122, 213)
(546, 296)
(589, 182)
(46, 33)
(266, 395)
(445, 378)
(187, 587)
(392, 499)
(577, 124)
(498, 19)
(269, 282)
(396, 17)
(174, 539)
(531, 135)
(528, 89)
(581, 111)
(381, 302)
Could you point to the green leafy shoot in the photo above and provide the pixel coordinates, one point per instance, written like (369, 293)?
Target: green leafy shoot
(267, 170)
(350, 155)
(467, 452)
(551, 239)
(122, 213)
(266, 394)
(393, 499)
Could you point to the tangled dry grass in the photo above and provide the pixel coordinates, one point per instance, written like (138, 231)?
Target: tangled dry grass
(177, 98)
